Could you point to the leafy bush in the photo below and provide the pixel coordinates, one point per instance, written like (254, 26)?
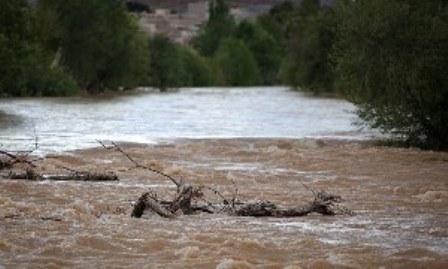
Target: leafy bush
(391, 59)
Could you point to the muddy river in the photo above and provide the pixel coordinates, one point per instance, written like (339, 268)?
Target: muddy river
(400, 197)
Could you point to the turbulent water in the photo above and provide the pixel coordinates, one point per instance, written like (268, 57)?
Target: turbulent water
(400, 197)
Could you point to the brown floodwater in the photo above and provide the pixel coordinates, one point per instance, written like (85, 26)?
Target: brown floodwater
(400, 197)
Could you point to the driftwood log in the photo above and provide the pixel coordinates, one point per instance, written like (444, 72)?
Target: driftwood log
(186, 201)
(323, 203)
(31, 174)
(26, 170)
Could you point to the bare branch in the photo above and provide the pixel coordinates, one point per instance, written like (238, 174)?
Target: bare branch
(308, 188)
(140, 165)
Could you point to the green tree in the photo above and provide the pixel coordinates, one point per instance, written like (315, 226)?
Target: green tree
(220, 25)
(167, 67)
(264, 48)
(25, 69)
(276, 22)
(307, 63)
(197, 69)
(100, 43)
(390, 60)
(237, 64)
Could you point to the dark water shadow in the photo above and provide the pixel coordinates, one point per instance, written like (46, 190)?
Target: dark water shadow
(10, 121)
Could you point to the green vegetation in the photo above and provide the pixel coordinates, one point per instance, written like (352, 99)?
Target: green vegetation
(59, 47)
(173, 65)
(388, 57)
(308, 45)
(220, 25)
(99, 42)
(237, 64)
(25, 69)
(264, 48)
(166, 64)
(391, 58)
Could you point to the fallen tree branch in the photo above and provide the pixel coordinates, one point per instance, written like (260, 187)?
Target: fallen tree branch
(323, 203)
(31, 174)
(138, 165)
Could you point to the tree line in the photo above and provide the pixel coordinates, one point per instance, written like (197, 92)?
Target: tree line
(388, 57)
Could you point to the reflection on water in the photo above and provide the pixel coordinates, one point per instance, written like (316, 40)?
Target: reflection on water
(400, 197)
(69, 123)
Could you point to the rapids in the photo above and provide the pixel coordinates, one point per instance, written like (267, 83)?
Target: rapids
(399, 195)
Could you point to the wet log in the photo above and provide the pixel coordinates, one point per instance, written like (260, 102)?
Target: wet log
(324, 203)
(183, 200)
(7, 159)
(31, 174)
(145, 202)
(28, 174)
(82, 176)
(182, 204)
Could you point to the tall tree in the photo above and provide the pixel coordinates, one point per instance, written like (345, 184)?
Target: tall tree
(307, 63)
(25, 69)
(167, 68)
(237, 63)
(99, 40)
(265, 49)
(197, 69)
(276, 21)
(391, 59)
(220, 25)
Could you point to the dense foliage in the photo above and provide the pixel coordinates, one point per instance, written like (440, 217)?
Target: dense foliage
(308, 45)
(25, 69)
(237, 63)
(391, 59)
(57, 47)
(219, 26)
(264, 48)
(99, 42)
(173, 65)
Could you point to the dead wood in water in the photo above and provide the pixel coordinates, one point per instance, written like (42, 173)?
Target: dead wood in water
(137, 164)
(8, 159)
(20, 167)
(31, 174)
(323, 203)
(190, 200)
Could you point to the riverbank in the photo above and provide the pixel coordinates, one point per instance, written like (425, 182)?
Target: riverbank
(400, 197)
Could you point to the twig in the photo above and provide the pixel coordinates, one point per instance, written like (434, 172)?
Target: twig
(140, 165)
(218, 193)
(308, 188)
(235, 194)
(36, 141)
(8, 154)
(36, 138)
(104, 146)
